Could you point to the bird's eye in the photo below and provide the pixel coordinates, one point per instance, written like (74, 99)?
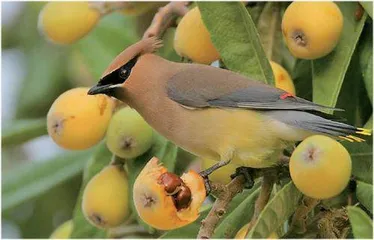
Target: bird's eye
(123, 73)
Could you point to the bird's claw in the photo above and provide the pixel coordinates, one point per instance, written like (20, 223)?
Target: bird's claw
(207, 184)
(247, 173)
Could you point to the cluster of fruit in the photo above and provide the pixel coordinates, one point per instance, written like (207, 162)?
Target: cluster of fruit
(163, 200)
(79, 121)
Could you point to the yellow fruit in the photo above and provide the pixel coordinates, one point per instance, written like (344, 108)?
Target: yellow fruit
(67, 22)
(282, 78)
(128, 135)
(192, 39)
(105, 199)
(221, 175)
(77, 120)
(242, 232)
(312, 29)
(320, 167)
(165, 201)
(63, 231)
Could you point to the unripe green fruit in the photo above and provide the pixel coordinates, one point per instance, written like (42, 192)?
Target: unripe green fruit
(128, 135)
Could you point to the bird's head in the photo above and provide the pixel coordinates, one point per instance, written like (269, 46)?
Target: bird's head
(114, 77)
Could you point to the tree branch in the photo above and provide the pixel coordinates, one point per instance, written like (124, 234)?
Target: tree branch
(224, 194)
(165, 17)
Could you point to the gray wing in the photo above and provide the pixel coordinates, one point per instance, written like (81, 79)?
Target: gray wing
(199, 86)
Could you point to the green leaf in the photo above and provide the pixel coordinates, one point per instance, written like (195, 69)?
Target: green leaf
(368, 6)
(269, 29)
(234, 35)
(256, 10)
(364, 193)
(167, 51)
(362, 160)
(369, 123)
(110, 37)
(329, 71)
(35, 178)
(276, 212)
(361, 223)
(192, 229)
(82, 228)
(366, 58)
(240, 216)
(21, 131)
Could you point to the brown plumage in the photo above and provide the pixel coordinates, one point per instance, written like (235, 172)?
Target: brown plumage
(212, 112)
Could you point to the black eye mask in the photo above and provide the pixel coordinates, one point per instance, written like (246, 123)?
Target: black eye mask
(120, 75)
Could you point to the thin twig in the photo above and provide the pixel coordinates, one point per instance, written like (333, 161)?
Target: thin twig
(263, 199)
(224, 194)
(299, 219)
(165, 17)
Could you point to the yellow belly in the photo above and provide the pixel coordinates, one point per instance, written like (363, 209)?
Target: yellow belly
(243, 136)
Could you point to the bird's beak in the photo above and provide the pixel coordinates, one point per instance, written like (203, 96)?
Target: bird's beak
(101, 89)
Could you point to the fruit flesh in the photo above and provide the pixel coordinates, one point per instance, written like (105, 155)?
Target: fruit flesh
(192, 39)
(78, 121)
(156, 207)
(105, 198)
(320, 167)
(312, 29)
(128, 135)
(67, 22)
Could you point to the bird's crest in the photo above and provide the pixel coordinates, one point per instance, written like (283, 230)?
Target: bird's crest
(144, 46)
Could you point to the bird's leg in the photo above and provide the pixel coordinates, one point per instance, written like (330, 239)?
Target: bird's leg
(204, 174)
(247, 172)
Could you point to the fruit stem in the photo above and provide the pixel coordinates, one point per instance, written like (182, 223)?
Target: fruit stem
(165, 17)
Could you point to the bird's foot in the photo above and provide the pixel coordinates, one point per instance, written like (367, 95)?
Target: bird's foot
(205, 173)
(207, 184)
(247, 173)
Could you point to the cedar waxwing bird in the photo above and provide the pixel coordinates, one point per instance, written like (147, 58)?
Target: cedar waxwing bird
(215, 113)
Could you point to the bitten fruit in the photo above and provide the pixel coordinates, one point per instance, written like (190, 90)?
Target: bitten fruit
(63, 231)
(67, 22)
(105, 201)
(78, 121)
(192, 39)
(320, 167)
(128, 135)
(312, 29)
(166, 201)
(282, 78)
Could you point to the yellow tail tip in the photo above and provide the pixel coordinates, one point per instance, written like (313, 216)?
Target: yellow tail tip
(364, 131)
(351, 138)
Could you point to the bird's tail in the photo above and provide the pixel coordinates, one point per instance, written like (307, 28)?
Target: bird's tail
(360, 131)
(322, 124)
